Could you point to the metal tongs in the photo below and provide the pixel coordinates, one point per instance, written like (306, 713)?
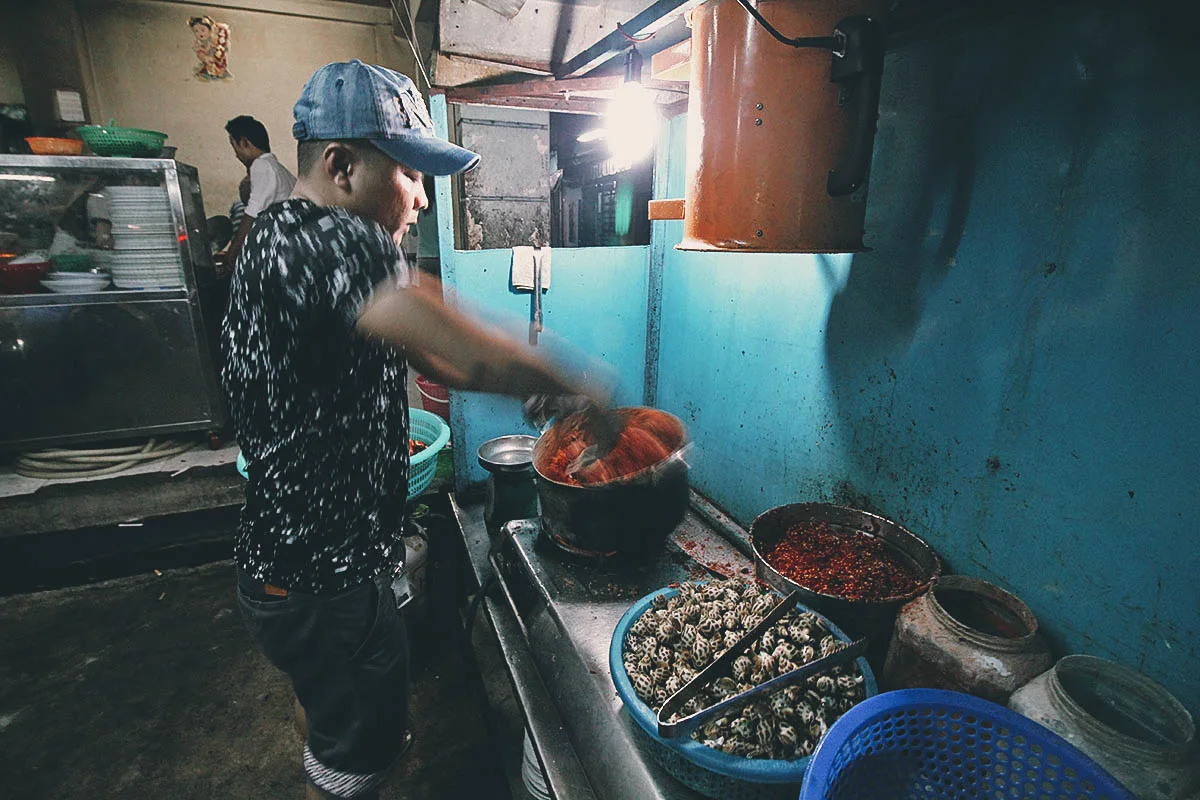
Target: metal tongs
(722, 666)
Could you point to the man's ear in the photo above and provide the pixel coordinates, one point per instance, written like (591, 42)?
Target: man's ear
(338, 162)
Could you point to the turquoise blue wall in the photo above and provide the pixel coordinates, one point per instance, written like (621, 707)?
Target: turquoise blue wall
(1012, 372)
(595, 308)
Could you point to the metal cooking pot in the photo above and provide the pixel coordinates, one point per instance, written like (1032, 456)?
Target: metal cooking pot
(873, 619)
(628, 518)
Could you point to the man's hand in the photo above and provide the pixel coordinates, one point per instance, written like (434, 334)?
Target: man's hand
(539, 409)
(235, 245)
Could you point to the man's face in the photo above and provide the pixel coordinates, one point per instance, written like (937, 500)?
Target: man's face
(242, 149)
(391, 194)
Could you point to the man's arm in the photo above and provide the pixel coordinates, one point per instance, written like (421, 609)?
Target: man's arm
(235, 245)
(446, 345)
(263, 185)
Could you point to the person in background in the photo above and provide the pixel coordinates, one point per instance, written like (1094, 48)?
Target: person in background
(324, 318)
(220, 232)
(237, 209)
(270, 181)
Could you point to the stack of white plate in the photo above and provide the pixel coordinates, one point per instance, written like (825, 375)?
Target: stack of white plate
(145, 244)
(75, 282)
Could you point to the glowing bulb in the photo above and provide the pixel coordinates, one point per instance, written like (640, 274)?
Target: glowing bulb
(632, 123)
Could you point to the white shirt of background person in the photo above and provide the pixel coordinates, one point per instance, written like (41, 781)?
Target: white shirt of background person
(270, 183)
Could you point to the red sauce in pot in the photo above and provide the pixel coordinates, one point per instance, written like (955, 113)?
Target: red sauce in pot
(853, 566)
(645, 440)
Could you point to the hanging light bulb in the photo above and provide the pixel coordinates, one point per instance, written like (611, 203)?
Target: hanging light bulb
(632, 116)
(631, 122)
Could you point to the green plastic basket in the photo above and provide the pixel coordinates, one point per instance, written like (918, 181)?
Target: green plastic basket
(109, 140)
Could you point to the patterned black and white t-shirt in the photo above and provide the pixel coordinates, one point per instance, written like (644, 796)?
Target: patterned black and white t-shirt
(320, 412)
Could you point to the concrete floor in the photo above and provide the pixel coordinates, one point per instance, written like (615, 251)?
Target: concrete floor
(149, 687)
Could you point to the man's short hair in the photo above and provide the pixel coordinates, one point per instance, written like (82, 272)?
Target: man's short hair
(247, 127)
(309, 150)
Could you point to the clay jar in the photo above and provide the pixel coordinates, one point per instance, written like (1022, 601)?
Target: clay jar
(969, 636)
(1127, 723)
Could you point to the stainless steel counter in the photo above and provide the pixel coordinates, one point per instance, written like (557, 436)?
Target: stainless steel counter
(554, 622)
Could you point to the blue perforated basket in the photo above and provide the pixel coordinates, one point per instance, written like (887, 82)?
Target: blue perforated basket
(711, 772)
(422, 426)
(924, 743)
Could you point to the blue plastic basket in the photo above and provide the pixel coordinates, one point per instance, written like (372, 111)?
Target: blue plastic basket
(711, 772)
(422, 426)
(922, 743)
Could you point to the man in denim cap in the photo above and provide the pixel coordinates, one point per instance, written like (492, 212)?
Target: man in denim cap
(323, 319)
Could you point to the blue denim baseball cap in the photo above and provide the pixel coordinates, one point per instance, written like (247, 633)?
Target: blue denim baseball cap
(353, 100)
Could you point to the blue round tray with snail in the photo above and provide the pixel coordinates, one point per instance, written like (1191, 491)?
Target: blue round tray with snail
(709, 771)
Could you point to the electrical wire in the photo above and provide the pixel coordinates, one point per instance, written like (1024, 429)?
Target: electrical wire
(634, 39)
(91, 463)
(412, 40)
(834, 43)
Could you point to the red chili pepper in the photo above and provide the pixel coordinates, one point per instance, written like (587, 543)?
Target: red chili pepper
(850, 565)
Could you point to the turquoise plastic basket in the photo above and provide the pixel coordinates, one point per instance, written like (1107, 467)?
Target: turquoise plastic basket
(422, 426)
(433, 430)
(710, 772)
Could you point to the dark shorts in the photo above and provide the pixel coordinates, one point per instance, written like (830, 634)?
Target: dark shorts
(347, 656)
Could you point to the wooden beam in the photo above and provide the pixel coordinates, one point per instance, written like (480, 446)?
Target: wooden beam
(674, 87)
(674, 63)
(536, 88)
(574, 105)
(450, 70)
(675, 109)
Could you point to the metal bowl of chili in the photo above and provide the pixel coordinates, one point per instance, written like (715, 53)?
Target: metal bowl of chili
(855, 567)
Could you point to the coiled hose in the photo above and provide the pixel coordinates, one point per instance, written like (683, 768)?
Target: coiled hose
(90, 463)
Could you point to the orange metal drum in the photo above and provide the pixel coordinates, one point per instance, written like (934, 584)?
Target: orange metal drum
(765, 130)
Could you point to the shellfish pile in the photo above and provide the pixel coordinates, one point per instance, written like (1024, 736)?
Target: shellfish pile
(679, 636)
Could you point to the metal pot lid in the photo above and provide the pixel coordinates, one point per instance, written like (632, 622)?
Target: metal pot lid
(507, 453)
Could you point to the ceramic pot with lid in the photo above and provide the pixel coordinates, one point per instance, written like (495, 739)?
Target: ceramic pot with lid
(966, 635)
(1125, 722)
